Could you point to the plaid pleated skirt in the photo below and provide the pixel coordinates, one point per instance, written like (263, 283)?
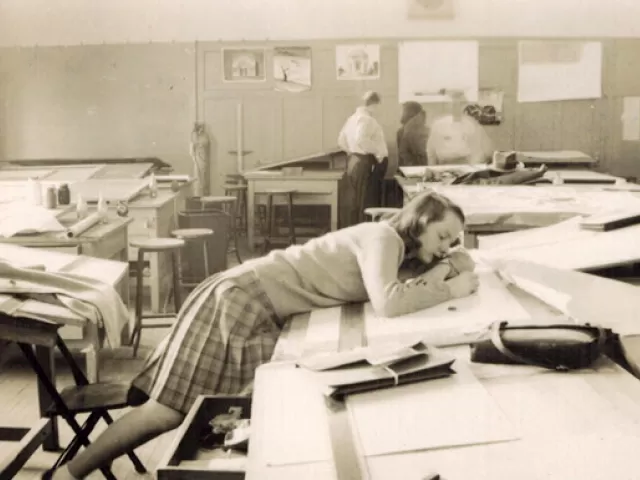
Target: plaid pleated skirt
(225, 329)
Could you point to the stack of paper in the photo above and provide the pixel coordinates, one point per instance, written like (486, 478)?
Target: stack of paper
(610, 221)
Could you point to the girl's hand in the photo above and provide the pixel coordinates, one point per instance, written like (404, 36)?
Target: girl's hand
(460, 261)
(464, 284)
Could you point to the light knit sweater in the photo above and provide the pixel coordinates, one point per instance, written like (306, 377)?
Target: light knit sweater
(353, 264)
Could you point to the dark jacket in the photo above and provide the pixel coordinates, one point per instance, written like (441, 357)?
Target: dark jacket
(412, 136)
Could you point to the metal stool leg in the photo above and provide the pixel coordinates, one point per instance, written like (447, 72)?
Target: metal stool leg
(234, 231)
(269, 223)
(292, 229)
(137, 329)
(205, 255)
(175, 274)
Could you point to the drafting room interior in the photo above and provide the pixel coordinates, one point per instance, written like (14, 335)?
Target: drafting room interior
(470, 168)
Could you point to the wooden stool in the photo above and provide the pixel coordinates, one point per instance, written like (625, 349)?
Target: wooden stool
(270, 223)
(155, 245)
(227, 205)
(194, 235)
(235, 179)
(240, 192)
(377, 213)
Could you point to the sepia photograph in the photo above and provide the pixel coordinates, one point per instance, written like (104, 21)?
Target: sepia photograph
(320, 240)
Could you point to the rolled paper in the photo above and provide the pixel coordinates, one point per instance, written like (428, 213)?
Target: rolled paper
(83, 225)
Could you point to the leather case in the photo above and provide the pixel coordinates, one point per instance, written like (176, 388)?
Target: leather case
(556, 347)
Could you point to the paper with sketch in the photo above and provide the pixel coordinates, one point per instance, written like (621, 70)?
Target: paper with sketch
(551, 70)
(18, 219)
(442, 413)
(453, 322)
(631, 118)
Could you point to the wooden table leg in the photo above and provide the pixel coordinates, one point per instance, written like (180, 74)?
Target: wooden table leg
(45, 358)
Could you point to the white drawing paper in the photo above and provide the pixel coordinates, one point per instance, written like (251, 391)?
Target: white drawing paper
(427, 68)
(551, 70)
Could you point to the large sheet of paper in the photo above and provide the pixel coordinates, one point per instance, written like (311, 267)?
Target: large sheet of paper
(453, 322)
(566, 246)
(559, 70)
(293, 416)
(440, 413)
(631, 118)
(18, 218)
(425, 68)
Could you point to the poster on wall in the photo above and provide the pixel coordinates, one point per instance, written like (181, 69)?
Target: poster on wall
(631, 118)
(426, 69)
(357, 62)
(292, 69)
(243, 65)
(559, 70)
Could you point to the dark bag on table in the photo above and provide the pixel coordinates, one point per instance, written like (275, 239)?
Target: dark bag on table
(556, 347)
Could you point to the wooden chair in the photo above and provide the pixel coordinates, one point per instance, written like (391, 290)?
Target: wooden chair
(270, 221)
(96, 399)
(225, 204)
(240, 192)
(155, 245)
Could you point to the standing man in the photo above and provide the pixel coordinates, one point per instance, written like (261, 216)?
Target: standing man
(363, 140)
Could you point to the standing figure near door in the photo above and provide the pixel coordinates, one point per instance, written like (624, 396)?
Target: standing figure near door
(363, 140)
(458, 138)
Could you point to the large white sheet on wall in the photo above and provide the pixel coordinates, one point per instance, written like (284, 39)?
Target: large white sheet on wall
(559, 70)
(426, 68)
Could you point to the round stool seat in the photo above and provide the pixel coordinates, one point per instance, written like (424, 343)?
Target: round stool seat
(218, 199)
(277, 191)
(192, 233)
(157, 244)
(231, 187)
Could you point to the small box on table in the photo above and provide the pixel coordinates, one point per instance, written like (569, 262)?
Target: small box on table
(196, 452)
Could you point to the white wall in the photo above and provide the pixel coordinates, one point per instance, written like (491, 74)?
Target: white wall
(73, 22)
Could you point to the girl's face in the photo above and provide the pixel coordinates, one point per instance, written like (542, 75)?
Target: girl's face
(437, 237)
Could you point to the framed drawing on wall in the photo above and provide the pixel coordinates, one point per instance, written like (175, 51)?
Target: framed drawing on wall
(431, 9)
(292, 68)
(357, 62)
(243, 65)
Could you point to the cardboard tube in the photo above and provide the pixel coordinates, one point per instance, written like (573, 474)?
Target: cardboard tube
(83, 225)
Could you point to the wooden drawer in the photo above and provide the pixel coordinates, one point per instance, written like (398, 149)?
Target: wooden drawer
(180, 461)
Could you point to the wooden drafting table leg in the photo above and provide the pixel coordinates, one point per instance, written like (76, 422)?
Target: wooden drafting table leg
(45, 358)
(470, 239)
(333, 203)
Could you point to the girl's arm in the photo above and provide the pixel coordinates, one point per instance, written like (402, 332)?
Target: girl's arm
(379, 259)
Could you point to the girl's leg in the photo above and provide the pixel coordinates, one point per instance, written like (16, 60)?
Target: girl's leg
(133, 429)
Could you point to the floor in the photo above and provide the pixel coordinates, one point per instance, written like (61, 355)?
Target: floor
(18, 398)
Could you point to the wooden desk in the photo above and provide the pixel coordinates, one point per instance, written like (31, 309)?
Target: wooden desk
(560, 437)
(312, 187)
(108, 271)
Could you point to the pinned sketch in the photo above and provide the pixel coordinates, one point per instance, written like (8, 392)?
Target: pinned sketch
(631, 118)
(427, 69)
(488, 109)
(243, 65)
(430, 9)
(292, 68)
(358, 62)
(559, 70)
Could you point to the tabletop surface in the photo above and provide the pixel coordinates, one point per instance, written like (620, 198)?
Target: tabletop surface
(551, 413)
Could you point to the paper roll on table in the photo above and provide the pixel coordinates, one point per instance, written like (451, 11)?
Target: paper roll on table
(83, 225)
